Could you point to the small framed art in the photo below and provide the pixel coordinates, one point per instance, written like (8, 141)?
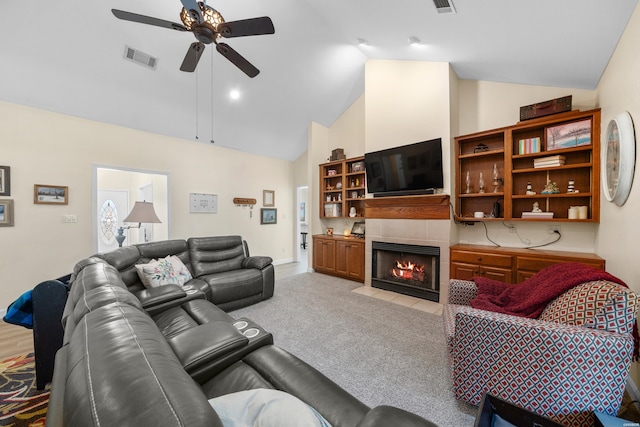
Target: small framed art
(5, 181)
(268, 198)
(569, 135)
(50, 195)
(268, 216)
(6, 213)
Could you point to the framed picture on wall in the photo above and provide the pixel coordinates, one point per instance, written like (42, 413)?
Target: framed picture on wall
(6, 213)
(268, 198)
(50, 195)
(268, 216)
(5, 181)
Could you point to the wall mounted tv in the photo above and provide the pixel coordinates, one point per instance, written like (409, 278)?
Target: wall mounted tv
(409, 169)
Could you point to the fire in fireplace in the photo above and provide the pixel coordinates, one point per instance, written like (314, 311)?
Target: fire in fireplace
(409, 269)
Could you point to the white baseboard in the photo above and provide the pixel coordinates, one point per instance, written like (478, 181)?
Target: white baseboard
(3, 312)
(283, 261)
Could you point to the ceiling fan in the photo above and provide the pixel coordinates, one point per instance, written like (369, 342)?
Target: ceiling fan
(208, 26)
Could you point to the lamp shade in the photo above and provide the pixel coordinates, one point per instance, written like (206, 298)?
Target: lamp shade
(142, 212)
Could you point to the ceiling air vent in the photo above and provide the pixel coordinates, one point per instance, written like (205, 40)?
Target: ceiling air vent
(140, 57)
(444, 6)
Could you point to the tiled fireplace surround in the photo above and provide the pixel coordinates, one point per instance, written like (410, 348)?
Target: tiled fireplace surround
(414, 232)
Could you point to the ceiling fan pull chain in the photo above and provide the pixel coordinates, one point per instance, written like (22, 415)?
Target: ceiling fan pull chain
(196, 100)
(212, 141)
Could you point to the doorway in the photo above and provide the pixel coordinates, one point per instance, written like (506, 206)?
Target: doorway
(302, 226)
(115, 191)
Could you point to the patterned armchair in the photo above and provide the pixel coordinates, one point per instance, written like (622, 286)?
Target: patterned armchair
(572, 360)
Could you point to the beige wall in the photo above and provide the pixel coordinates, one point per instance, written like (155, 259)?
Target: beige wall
(48, 148)
(619, 91)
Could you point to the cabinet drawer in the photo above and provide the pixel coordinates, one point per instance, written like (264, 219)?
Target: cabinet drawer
(496, 260)
(537, 264)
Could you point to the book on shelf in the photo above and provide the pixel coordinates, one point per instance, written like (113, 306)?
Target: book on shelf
(537, 214)
(548, 164)
(549, 158)
(543, 162)
(529, 145)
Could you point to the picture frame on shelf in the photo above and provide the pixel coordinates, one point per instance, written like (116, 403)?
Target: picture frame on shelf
(268, 198)
(268, 216)
(50, 194)
(568, 135)
(6, 213)
(357, 166)
(358, 229)
(5, 181)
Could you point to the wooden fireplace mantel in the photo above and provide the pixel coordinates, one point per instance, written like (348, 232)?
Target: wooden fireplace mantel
(432, 206)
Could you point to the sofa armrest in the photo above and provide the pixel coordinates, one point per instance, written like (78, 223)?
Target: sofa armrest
(461, 292)
(384, 416)
(258, 262)
(508, 355)
(205, 343)
(154, 296)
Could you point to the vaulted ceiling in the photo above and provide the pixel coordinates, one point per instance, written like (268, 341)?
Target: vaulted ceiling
(68, 57)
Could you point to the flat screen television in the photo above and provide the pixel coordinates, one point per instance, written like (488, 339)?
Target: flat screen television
(408, 169)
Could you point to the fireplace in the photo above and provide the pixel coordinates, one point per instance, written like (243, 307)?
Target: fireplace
(408, 269)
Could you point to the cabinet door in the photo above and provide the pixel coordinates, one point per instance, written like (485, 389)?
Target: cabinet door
(463, 271)
(499, 274)
(324, 255)
(350, 260)
(356, 261)
(468, 271)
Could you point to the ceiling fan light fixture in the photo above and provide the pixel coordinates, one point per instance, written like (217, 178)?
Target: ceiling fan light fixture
(210, 15)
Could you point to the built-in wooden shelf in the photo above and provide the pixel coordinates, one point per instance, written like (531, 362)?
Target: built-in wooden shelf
(432, 206)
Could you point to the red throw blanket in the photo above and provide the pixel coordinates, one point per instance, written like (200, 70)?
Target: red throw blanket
(529, 298)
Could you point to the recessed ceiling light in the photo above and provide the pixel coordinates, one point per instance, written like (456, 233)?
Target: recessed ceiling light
(362, 42)
(414, 41)
(234, 94)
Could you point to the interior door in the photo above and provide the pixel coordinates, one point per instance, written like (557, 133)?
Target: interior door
(113, 207)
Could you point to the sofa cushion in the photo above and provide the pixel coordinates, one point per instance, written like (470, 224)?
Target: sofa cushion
(599, 304)
(265, 408)
(165, 271)
(234, 285)
(215, 254)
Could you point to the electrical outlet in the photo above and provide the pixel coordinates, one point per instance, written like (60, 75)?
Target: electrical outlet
(553, 228)
(69, 218)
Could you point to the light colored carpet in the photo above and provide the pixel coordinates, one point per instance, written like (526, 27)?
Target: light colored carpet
(382, 353)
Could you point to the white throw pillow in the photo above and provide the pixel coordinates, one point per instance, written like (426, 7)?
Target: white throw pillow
(180, 270)
(265, 408)
(169, 270)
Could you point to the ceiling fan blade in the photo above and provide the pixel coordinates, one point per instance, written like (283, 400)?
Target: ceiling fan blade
(192, 57)
(237, 59)
(142, 19)
(194, 10)
(247, 27)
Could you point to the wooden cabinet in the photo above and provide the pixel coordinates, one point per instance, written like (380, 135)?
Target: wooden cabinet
(350, 259)
(517, 155)
(324, 255)
(339, 256)
(510, 265)
(343, 186)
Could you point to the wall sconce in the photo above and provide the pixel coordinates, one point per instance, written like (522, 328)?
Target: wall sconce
(141, 212)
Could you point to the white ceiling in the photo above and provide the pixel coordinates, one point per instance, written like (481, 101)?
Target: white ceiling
(67, 56)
